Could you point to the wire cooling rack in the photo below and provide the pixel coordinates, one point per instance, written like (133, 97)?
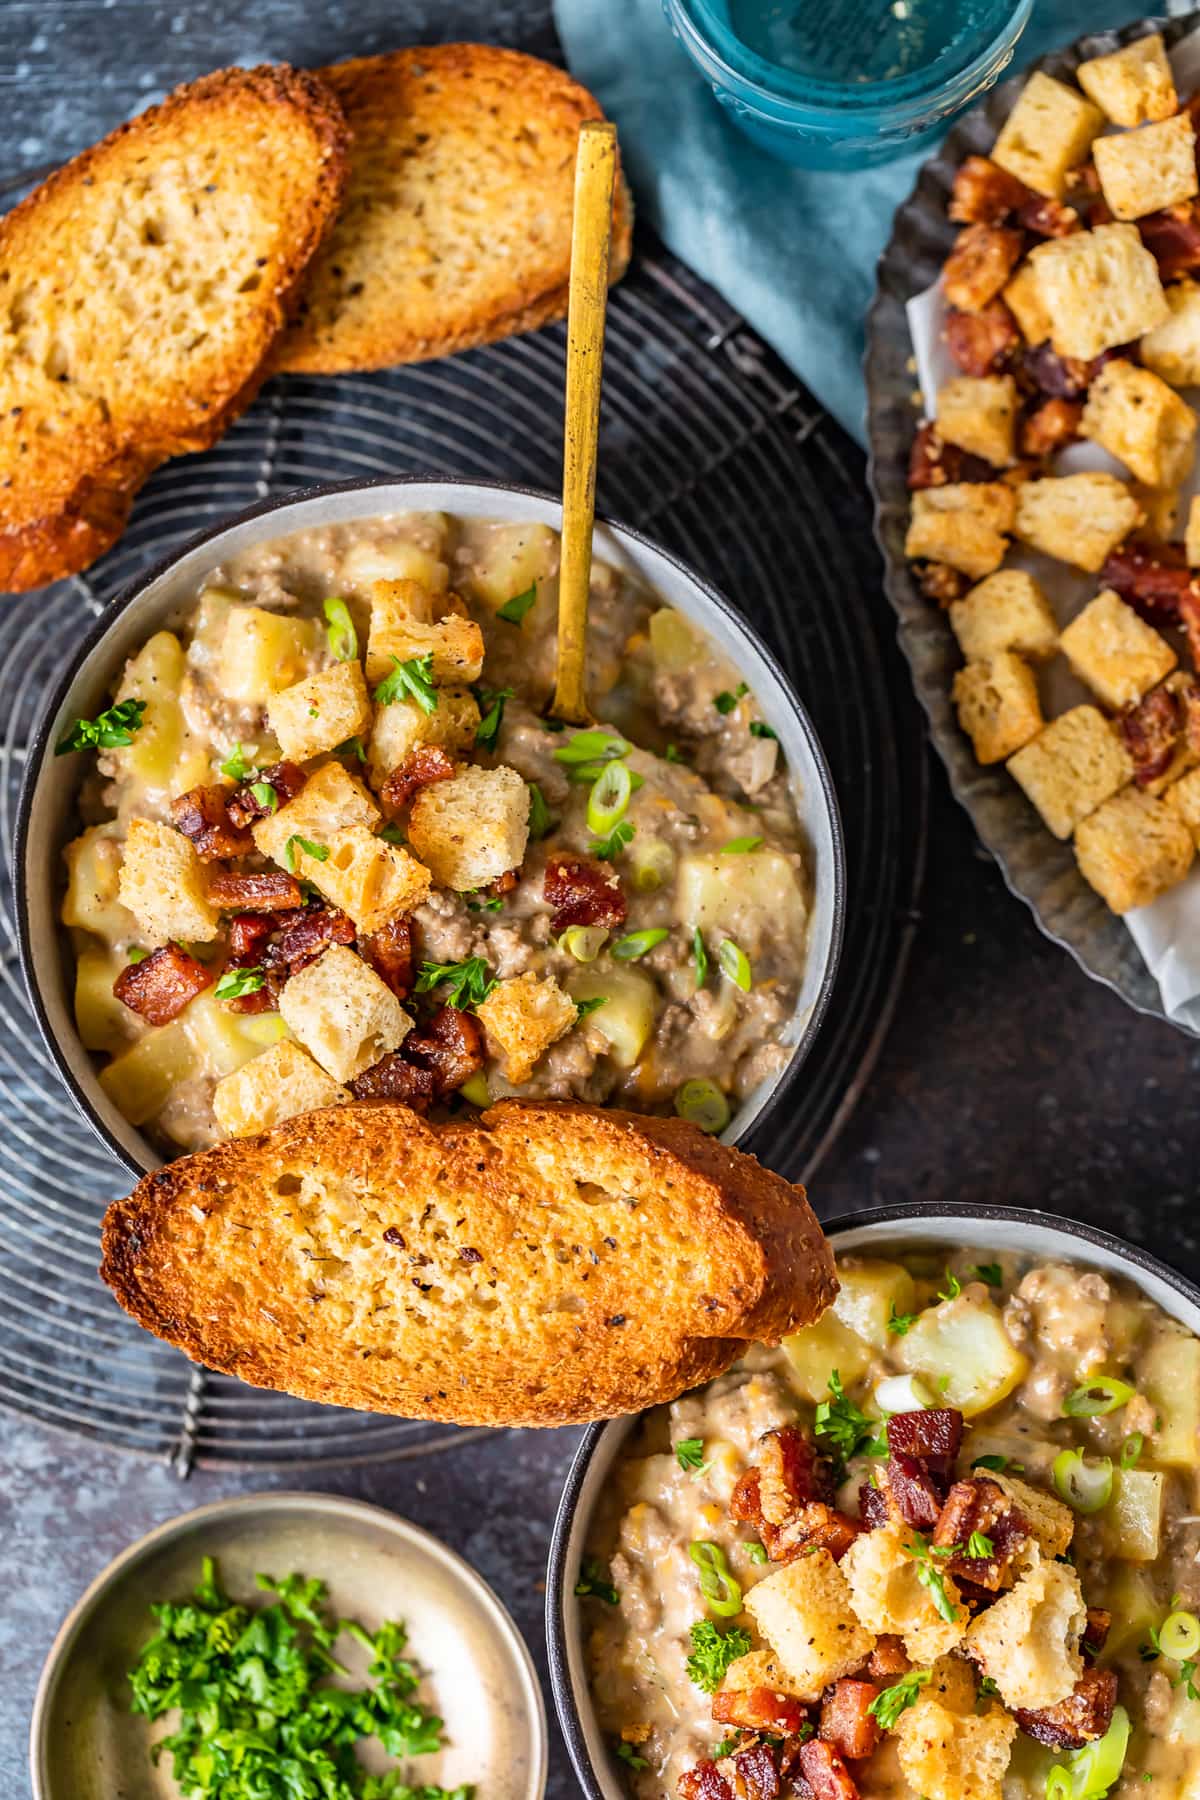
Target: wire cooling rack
(709, 445)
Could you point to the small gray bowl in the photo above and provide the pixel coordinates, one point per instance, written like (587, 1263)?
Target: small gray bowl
(46, 818)
(85, 1744)
(917, 1227)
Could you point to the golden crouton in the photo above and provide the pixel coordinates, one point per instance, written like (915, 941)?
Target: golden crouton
(1005, 611)
(963, 524)
(1098, 288)
(1114, 652)
(1172, 349)
(370, 880)
(760, 1669)
(524, 1016)
(343, 1013)
(1072, 767)
(163, 885)
(262, 652)
(1078, 518)
(1191, 538)
(1160, 511)
(1048, 132)
(1184, 796)
(1028, 1641)
(978, 413)
(321, 711)
(887, 1592)
(471, 829)
(1141, 421)
(274, 1086)
(1023, 298)
(997, 705)
(1131, 85)
(401, 725)
(1051, 1524)
(953, 1683)
(804, 1612)
(1133, 848)
(409, 622)
(1144, 171)
(948, 1755)
(330, 801)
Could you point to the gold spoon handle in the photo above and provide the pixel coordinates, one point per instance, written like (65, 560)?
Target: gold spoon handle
(591, 232)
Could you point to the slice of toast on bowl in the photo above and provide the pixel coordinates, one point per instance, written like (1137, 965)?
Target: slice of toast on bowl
(142, 288)
(549, 1263)
(456, 227)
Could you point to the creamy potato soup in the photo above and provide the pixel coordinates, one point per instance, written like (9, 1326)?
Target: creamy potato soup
(942, 1545)
(333, 848)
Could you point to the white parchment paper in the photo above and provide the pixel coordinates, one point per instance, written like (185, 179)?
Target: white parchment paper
(1168, 932)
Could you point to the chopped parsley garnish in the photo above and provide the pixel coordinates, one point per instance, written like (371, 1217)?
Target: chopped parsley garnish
(236, 765)
(980, 1546)
(991, 1273)
(110, 730)
(594, 1584)
(584, 1007)
(514, 610)
(352, 746)
(953, 1287)
(901, 1323)
(758, 729)
(265, 794)
(671, 754)
(236, 982)
(541, 824)
(689, 1453)
(997, 1462)
(495, 904)
(256, 1720)
(726, 1747)
(607, 849)
(988, 1689)
(339, 630)
(625, 1752)
(488, 729)
(931, 1578)
(890, 1702)
(842, 1427)
(725, 701)
(318, 852)
(699, 958)
(712, 1653)
(412, 680)
(469, 983)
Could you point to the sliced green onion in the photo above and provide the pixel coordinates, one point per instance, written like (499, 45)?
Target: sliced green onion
(236, 982)
(1091, 1772)
(1131, 1450)
(903, 1393)
(1084, 1486)
(608, 801)
(583, 942)
(702, 1103)
(339, 629)
(591, 746)
(736, 965)
(1058, 1784)
(582, 774)
(1179, 1636)
(740, 846)
(1097, 1398)
(629, 949)
(651, 865)
(720, 1590)
(540, 821)
(475, 1089)
(265, 794)
(699, 958)
(514, 610)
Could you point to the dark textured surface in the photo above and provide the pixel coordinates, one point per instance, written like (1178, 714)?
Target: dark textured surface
(1007, 1074)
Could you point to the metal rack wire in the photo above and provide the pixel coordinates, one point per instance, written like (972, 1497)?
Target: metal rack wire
(708, 444)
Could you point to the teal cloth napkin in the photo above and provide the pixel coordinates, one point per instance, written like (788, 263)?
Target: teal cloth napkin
(794, 251)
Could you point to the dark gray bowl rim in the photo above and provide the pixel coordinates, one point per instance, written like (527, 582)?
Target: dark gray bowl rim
(565, 1703)
(40, 747)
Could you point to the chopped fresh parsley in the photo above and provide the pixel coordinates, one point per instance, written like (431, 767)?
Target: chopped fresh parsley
(318, 852)
(758, 729)
(712, 1653)
(890, 1702)
(689, 1453)
(671, 754)
(625, 1752)
(108, 731)
(391, 834)
(991, 1273)
(953, 1287)
(339, 630)
(237, 765)
(1187, 1675)
(931, 1578)
(541, 824)
(980, 1546)
(469, 983)
(725, 702)
(352, 746)
(514, 610)
(988, 1689)
(901, 1323)
(488, 729)
(607, 849)
(841, 1426)
(998, 1462)
(594, 1584)
(236, 982)
(584, 1007)
(411, 680)
(699, 958)
(265, 794)
(495, 904)
(726, 1747)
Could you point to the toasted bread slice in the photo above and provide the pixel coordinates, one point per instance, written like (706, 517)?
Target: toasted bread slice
(456, 228)
(552, 1262)
(142, 288)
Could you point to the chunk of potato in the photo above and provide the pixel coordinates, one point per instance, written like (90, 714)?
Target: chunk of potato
(1133, 1517)
(962, 1347)
(753, 899)
(870, 1291)
(102, 1021)
(154, 675)
(1135, 1609)
(509, 559)
(263, 652)
(816, 1351)
(400, 559)
(627, 1017)
(675, 642)
(139, 1082)
(224, 1040)
(1170, 1380)
(93, 882)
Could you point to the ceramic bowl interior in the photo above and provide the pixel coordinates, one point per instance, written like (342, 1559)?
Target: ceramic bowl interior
(46, 819)
(86, 1745)
(911, 1228)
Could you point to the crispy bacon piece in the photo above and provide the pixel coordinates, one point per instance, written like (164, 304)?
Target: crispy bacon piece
(983, 258)
(1189, 618)
(1153, 578)
(759, 1709)
(1048, 218)
(302, 942)
(389, 951)
(930, 462)
(1051, 425)
(846, 1720)
(582, 892)
(914, 1490)
(873, 1507)
(785, 1496)
(504, 884)
(450, 1048)
(1173, 238)
(939, 582)
(980, 1504)
(248, 932)
(922, 1447)
(422, 766)
(1150, 729)
(160, 986)
(202, 817)
(745, 1503)
(825, 1772)
(790, 1473)
(268, 890)
(984, 342)
(395, 1079)
(983, 193)
(815, 1525)
(287, 778)
(704, 1782)
(1083, 1716)
(888, 1660)
(1099, 1624)
(1059, 377)
(757, 1773)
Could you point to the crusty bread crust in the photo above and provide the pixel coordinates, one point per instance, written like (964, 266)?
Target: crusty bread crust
(188, 250)
(550, 1263)
(456, 228)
